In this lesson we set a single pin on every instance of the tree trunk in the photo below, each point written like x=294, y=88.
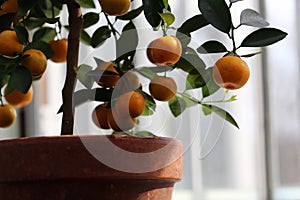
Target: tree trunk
x=75, y=22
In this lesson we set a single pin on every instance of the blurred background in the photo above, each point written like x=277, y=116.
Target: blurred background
x=259, y=161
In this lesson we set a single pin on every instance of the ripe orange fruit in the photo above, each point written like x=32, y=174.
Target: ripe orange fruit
x=8, y=115
x=162, y=88
x=36, y=62
x=110, y=80
x=18, y=99
x=115, y=7
x=164, y=51
x=99, y=116
x=120, y=123
x=128, y=82
x=9, y=43
x=231, y=72
x=10, y=6
x=130, y=104
x=60, y=49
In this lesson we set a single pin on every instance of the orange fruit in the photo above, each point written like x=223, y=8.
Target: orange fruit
x=10, y=6
x=164, y=51
x=231, y=72
x=9, y=43
x=162, y=88
x=99, y=116
x=36, y=62
x=115, y=7
x=130, y=104
x=8, y=115
x=60, y=49
x=110, y=80
x=120, y=123
x=18, y=99
x=128, y=82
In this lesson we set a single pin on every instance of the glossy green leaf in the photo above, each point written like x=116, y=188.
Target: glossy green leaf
x=146, y=72
x=22, y=34
x=25, y=5
x=85, y=38
x=3, y=80
x=101, y=94
x=191, y=63
x=221, y=112
x=90, y=19
x=43, y=46
x=45, y=34
x=233, y=1
x=87, y=81
x=128, y=42
x=166, y=3
x=192, y=24
x=189, y=100
x=211, y=87
x=194, y=81
x=20, y=79
x=252, y=18
x=131, y=14
x=152, y=8
x=143, y=134
x=100, y=35
x=6, y=21
x=86, y=3
x=217, y=13
x=177, y=105
x=168, y=18
x=150, y=104
x=212, y=46
x=263, y=37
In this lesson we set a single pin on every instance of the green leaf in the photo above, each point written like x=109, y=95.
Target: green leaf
x=189, y=100
x=168, y=18
x=144, y=134
x=6, y=21
x=45, y=34
x=22, y=34
x=3, y=80
x=192, y=24
x=194, y=81
x=25, y=5
x=85, y=38
x=100, y=35
x=146, y=72
x=90, y=19
x=233, y=1
x=131, y=14
x=101, y=94
x=20, y=79
x=217, y=13
x=177, y=105
x=152, y=8
x=98, y=61
x=252, y=18
x=212, y=46
x=191, y=63
x=150, y=104
x=250, y=54
x=211, y=87
x=43, y=46
x=184, y=39
x=222, y=113
x=128, y=42
x=86, y=3
x=206, y=110
x=263, y=37
x=87, y=81
x=166, y=4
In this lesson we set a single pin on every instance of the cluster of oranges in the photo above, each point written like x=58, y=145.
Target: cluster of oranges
x=33, y=59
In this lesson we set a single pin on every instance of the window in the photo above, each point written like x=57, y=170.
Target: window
x=260, y=161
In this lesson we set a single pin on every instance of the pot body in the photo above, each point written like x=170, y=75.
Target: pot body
x=89, y=167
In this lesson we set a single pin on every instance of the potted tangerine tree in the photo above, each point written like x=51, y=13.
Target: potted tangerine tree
x=72, y=167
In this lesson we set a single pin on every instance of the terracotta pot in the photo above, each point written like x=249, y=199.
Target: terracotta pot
x=89, y=167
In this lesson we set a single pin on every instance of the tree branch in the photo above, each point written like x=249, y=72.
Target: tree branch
x=75, y=22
